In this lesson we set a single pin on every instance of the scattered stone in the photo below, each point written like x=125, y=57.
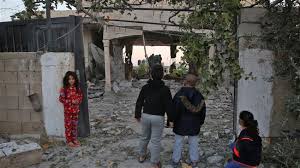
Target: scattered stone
x=214, y=159
x=206, y=134
x=227, y=131
x=115, y=87
x=112, y=164
x=216, y=136
x=114, y=138
x=201, y=152
x=95, y=95
x=209, y=152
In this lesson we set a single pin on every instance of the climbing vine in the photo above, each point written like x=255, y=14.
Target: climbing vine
x=281, y=29
x=281, y=32
x=219, y=16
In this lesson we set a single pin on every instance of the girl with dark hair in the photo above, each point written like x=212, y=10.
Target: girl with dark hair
x=247, y=147
x=71, y=98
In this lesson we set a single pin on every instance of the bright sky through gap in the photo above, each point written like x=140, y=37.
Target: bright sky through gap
x=139, y=54
x=10, y=7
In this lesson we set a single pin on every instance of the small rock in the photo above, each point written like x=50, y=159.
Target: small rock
x=206, y=134
x=227, y=131
x=201, y=152
x=214, y=159
x=116, y=88
x=216, y=136
x=209, y=152
x=112, y=164
x=80, y=154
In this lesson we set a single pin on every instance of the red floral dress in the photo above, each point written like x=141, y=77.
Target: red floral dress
x=71, y=99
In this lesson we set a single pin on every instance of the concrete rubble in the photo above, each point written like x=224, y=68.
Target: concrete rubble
x=114, y=138
x=13, y=155
x=115, y=133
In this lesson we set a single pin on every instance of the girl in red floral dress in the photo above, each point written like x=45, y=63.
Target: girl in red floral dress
x=71, y=98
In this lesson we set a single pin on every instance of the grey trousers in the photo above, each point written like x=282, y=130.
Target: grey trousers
x=152, y=129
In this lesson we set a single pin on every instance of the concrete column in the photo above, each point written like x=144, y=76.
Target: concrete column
x=87, y=40
x=117, y=62
x=107, y=65
x=54, y=67
x=255, y=95
x=211, y=54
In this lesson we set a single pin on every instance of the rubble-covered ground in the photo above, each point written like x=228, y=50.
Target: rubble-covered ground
x=115, y=133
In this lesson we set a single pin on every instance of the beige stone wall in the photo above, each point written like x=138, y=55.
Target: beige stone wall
x=20, y=76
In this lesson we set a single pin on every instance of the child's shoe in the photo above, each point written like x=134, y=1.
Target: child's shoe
x=142, y=159
x=77, y=143
x=175, y=164
x=194, y=165
x=71, y=145
x=156, y=165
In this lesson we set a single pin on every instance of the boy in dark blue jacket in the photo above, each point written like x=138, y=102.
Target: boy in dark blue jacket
x=189, y=107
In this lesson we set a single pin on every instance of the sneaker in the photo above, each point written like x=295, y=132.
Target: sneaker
x=175, y=164
x=156, y=165
x=194, y=165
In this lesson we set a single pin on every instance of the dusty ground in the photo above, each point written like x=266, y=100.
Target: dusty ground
x=114, y=134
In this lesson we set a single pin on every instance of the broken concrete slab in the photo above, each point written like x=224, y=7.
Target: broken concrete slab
x=8, y=145
x=13, y=155
x=16, y=149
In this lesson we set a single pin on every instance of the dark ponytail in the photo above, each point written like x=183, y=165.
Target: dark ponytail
x=249, y=122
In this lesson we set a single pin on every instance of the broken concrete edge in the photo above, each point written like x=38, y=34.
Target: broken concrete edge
x=12, y=148
x=22, y=159
x=23, y=136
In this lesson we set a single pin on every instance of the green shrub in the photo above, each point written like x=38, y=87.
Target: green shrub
x=142, y=70
x=180, y=71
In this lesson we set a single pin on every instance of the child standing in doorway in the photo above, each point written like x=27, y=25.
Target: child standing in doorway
x=71, y=98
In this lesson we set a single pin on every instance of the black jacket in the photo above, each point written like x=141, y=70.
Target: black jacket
x=247, y=148
x=155, y=98
x=189, y=111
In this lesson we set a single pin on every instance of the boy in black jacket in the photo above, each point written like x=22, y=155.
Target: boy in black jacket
x=189, y=107
x=155, y=100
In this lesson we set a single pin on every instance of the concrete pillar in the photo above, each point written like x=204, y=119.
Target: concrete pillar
x=108, y=85
x=87, y=40
x=211, y=54
x=128, y=62
x=255, y=95
x=54, y=67
x=117, y=61
x=173, y=49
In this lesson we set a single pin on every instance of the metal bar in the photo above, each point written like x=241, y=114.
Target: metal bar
x=132, y=21
x=144, y=43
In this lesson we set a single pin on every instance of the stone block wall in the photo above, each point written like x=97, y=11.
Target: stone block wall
x=20, y=76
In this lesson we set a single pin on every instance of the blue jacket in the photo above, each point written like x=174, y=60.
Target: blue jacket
x=189, y=111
